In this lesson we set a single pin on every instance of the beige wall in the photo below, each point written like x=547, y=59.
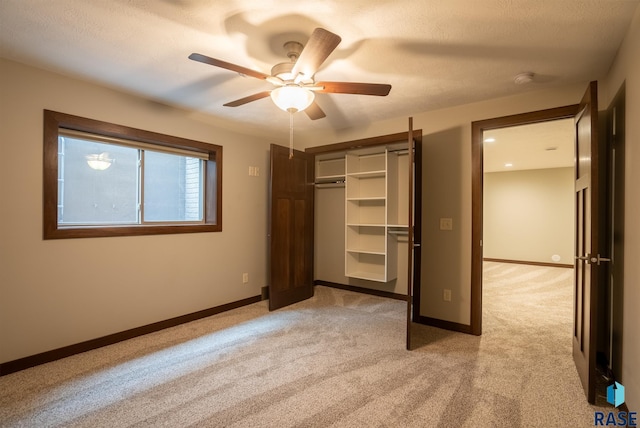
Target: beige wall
x=529, y=215
x=627, y=67
x=60, y=292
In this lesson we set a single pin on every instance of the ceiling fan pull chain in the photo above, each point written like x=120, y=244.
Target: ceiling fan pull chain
x=290, y=134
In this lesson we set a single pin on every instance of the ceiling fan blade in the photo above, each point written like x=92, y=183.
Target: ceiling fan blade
x=248, y=99
x=227, y=65
x=354, y=88
x=318, y=48
x=314, y=111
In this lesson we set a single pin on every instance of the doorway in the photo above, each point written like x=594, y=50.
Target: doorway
x=528, y=232
x=478, y=130
x=598, y=284
x=528, y=190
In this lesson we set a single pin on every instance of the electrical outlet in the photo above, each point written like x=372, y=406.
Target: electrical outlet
x=446, y=295
x=245, y=278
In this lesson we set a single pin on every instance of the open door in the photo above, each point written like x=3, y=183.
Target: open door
x=588, y=249
x=291, y=229
x=410, y=232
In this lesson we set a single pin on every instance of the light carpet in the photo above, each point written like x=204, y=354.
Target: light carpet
x=336, y=360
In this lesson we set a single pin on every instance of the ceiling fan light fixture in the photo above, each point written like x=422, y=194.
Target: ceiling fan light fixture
x=99, y=161
x=292, y=98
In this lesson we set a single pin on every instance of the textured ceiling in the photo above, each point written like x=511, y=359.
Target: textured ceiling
x=434, y=53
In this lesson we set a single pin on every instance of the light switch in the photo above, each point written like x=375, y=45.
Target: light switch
x=446, y=224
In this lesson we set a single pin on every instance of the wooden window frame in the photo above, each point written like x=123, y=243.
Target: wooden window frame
x=53, y=121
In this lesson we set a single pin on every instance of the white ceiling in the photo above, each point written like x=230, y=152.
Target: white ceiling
x=536, y=146
x=434, y=53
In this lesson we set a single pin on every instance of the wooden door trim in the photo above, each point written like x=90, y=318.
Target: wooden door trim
x=477, y=171
x=365, y=142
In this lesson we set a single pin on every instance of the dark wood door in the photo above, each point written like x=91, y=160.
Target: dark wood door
x=291, y=234
x=410, y=233
x=587, y=240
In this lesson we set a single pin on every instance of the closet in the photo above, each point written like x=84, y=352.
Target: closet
x=361, y=215
x=347, y=215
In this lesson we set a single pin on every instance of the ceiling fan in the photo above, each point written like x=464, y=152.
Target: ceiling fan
x=294, y=80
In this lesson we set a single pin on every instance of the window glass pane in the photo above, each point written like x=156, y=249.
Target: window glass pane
x=98, y=183
x=172, y=187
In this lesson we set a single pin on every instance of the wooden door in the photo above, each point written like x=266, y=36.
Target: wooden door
x=410, y=233
x=587, y=240
x=291, y=227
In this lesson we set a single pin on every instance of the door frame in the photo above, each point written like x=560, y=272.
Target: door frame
x=477, y=176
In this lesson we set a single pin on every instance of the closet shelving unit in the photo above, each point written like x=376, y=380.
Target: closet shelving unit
x=371, y=213
x=374, y=209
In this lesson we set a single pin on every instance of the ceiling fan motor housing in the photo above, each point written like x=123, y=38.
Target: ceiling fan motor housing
x=283, y=70
x=293, y=49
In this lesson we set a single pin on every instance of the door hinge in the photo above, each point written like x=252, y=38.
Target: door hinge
x=597, y=260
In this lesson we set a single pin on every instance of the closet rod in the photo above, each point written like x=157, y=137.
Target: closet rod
x=323, y=184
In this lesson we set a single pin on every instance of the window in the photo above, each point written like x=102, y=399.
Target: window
x=102, y=179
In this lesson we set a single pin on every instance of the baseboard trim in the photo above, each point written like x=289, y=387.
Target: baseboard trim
x=363, y=290
x=521, y=262
x=445, y=325
x=67, y=351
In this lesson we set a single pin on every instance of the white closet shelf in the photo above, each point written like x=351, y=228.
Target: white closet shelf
x=366, y=275
x=366, y=225
x=367, y=174
x=397, y=226
x=363, y=251
x=371, y=198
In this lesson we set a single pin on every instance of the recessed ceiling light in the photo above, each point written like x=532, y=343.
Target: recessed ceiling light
x=508, y=165
x=489, y=140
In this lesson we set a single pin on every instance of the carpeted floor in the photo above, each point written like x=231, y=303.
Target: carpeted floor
x=337, y=359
